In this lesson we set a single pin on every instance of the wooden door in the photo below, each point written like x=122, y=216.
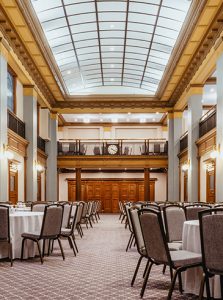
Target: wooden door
x=152, y=191
x=115, y=197
x=133, y=191
x=38, y=186
x=210, y=186
x=124, y=191
x=71, y=190
x=141, y=191
x=107, y=197
x=13, y=187
x=185, y=187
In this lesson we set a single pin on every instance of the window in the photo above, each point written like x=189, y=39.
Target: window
x=11, y=91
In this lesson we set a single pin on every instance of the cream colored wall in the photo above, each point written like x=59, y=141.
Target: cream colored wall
x=113, y=132
x=19, y=100
x=43, y=186
x=160, y=185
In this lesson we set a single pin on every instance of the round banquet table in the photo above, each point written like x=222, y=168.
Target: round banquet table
x=22, y=221
x=192, y=277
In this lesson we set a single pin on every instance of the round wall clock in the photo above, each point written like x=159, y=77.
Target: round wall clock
x=112, y=149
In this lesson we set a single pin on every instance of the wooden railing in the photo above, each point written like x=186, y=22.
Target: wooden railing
x=207, y=122
x=184, y=141
x=115, y=147
x=16, y=125
x=41, y=144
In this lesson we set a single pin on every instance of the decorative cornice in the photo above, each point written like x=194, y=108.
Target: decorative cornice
x=209, y=40
x=15, y=42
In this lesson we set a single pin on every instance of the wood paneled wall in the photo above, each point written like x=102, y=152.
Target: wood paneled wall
x=110, y=191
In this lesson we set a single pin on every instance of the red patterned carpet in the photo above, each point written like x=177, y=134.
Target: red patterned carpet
x=102, y=270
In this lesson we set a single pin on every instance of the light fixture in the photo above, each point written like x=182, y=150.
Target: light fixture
x=112, y=48
x=214, y=154
x=111, y=79
x=9, y=154
x=142, y=120
x=212, y=90
x=114, y=120
x=101, y=120
x=112, y=26
x=129, y=113
x=157, y=113
x=68, y=72
x=112, y=66
x=154, y=119
x=185, y=167
x=39, y=167
x=86, y=120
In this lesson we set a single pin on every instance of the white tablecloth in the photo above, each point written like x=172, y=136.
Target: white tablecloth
x=192, y=277
x=22, y=221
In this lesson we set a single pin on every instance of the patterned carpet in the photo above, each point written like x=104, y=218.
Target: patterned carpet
x=102, y=270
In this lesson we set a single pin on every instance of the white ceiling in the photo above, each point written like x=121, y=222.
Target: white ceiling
x=111, y=46
x=113, y=118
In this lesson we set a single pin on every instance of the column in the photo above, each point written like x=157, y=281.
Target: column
x=219, y=131
x=194, y=115
x=174, y=134
x=51, y=171
x=3, y=123
x=78, y=184
x=30, y=119
x=146, y=185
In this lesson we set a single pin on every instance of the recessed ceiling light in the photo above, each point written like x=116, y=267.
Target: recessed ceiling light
x=112, y=26
x=157, y=113
x=68, y=72
x=101, y=120
x=129, y=113
x=111, y=79
x=75, y=120
x=112, y=66
x=212, y=90
x=154, y=119
x=112, y=48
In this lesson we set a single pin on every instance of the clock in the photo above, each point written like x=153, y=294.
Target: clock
x=112, y=149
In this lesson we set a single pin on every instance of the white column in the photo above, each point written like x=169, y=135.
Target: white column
x=51, y=171
x=194, y=115
x=219, y=130
x=3, y=125
x=30, y=119
x=174, y=134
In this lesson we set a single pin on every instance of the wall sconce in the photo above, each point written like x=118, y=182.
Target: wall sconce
x=215, y=152
x=5, y=153
x=185, y=167
x=39, y=167
x=15, y=166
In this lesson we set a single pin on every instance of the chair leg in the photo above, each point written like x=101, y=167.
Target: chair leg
x=136, y=270
x=221, y=281
x=40, y=254
x=61, y=248
x=201, y=292
x=90, y=222
x=164, y=269
x=146, y=280
x=22, y=250
x=44, y=243
x=48, y=252
x=10, y=253
x=72, y=246
x=180, y=283
x=130, y=239
x=74, y=242
x=146, y=268
x=81, y=230
x=208, y=288
x=131, y=242
x=173, y=284
x=52, y=246
x=98, y=216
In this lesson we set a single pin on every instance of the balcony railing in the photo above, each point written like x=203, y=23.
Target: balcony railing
x=41, y=144
x=115, y=147
x=207, y=122
x=16, y=125
x=184, y=141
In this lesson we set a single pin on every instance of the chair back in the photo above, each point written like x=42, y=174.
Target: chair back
x=192, y=210
x=211, y=231
x=67, y=208
x=4, y=223
x=174, y=218
x=52, y=221
x=152, y=206
x=80, y=210
x=137, y=231
x=154, y=235
x=90, y=206
x=127, y=208
x=38, y=207
x=85, y=209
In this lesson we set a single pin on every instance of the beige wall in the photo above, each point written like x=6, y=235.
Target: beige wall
x=160, y=185
x=21, y=174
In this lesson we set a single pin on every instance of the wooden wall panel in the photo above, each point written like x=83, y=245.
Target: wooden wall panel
x=110, y=191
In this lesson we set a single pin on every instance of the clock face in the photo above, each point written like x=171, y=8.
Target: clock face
x=112, y=149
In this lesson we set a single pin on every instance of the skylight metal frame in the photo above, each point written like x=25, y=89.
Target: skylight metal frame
x=127, y=66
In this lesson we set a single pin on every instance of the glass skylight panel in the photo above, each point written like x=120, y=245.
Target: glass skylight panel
x=133, y=50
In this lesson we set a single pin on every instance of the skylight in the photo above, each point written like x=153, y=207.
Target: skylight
x=111, y=46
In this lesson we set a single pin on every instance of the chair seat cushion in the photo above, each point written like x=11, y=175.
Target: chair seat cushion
x=174, y=246
x=31, y=235
x=184, y=258
x=65, y=231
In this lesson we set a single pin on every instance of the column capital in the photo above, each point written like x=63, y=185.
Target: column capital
x=29, y=90
x=54, y=116
x=175, y=115
x=4, y=48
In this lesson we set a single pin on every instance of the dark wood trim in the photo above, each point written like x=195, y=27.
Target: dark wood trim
x=78, y=184
x=112, y=179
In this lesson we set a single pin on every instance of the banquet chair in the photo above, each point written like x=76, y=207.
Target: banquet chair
x=84, y=219
x=158, y=252
x=38, y=206
x=192, y=210
x=211, y=233
x=131, y=238
x=79, y=215
x=98, y=209
x=67, y=208
x=152, y=206
x=5, y=229
x=50, y=230
x=174, y=218
x=94, y=211
x=69, y=232
x=133, y=212
x=89, y=215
